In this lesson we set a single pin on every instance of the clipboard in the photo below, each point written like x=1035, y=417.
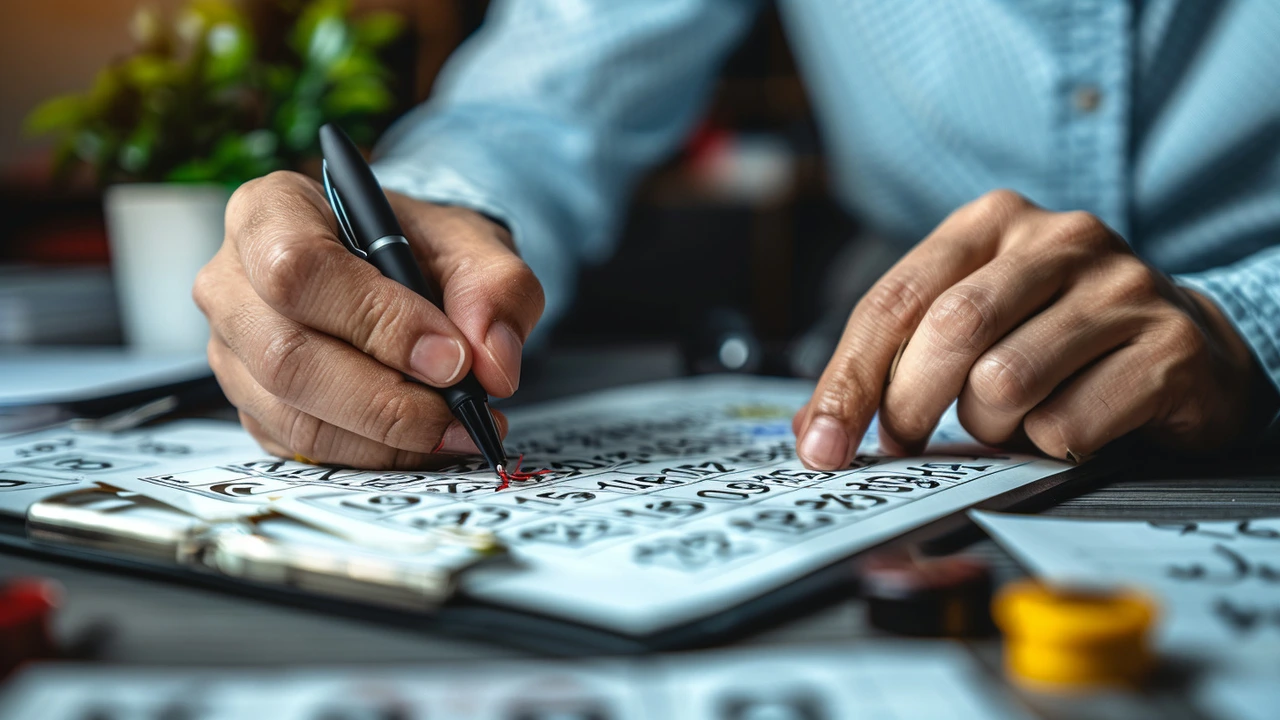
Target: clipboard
x=472, y=615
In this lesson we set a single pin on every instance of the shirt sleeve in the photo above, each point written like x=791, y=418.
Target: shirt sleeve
x=1248, y=292
x=545, y=117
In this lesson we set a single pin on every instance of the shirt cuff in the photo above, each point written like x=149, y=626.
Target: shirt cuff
x=1250, y=298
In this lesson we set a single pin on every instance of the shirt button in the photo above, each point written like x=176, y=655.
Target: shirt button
x=1087, y=98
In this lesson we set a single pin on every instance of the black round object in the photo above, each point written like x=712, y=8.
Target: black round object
x=927, y=597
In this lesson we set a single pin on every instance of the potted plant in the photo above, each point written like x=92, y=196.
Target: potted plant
x=205, y=102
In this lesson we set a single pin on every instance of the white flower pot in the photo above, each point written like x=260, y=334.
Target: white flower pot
x=161, y=235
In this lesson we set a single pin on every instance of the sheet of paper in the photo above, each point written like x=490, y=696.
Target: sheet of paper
x=1236, y=692
x=39, y=464
x=665, y=502
x=71, y=374
x=1218, y=582
x=869, y=680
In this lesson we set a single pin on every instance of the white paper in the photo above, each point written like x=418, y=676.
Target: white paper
x=36, y=465
x=666, y=502
x=72, y=374
x=1235, y=692
x=1217, y=582
x=869, y=680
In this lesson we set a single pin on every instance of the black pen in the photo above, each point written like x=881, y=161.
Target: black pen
x=369, y=230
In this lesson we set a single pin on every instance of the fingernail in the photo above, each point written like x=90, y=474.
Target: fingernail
x=437, y=359
x=825, y=444
x=506, y=346
x=456, y=441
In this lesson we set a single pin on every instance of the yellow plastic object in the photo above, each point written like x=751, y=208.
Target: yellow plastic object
x=1068, y=638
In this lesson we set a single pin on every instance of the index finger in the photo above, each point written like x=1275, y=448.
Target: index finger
x=287, y=239
x=851, y=387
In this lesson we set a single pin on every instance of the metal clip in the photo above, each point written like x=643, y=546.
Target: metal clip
x=335, y=202
x=99, y=519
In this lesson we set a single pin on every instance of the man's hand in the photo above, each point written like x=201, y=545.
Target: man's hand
x=1046, y=327
x=310, y=342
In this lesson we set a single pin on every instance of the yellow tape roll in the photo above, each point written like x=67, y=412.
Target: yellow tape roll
x=1074, y=638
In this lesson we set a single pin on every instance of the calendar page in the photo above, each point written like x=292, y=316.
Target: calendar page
x=663, y=503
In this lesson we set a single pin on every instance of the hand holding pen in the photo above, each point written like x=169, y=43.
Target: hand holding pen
x=313, y=344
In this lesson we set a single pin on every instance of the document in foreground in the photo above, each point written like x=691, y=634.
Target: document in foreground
x=867, y=680
x=665, y=503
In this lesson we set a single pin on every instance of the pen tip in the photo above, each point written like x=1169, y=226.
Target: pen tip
x=498, y=469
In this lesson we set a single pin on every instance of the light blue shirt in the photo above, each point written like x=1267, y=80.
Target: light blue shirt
x=1162, y=117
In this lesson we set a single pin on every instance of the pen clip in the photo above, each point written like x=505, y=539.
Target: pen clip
x=335, y=202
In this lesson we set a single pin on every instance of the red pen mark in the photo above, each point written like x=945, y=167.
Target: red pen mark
x=439, y=447
x=517, y=474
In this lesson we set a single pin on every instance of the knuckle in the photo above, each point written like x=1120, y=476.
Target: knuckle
x=999, y=204
x=963, y=320
x=1080, y=229
x=203, y=291
x=1004, y=199
x=898, y=300
x=282, y=361
x=242, y=203
x=1131, y=282
x=1001, y=381
x=251, y=205
x=286, y=266
x=524, y=289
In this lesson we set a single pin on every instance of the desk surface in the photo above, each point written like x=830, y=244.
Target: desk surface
x=152, y=622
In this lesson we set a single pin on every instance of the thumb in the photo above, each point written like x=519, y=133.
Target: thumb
x=487, y=291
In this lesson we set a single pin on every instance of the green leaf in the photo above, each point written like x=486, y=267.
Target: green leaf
x=330, y=41
x=57, y=115
x=313, y=15
x=217, y=12
x=107, y=86
x=193, y=171
x=378, y=28
x=137, y=151
x=147, y=72
x=230, y=50
x=358, y=95
x=355, y=64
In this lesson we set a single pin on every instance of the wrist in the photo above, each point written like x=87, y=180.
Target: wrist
x=1241, y=373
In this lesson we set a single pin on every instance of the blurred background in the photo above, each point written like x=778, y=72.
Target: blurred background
x=141, y=117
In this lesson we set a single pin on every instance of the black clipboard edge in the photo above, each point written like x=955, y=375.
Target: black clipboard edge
x=469, y=619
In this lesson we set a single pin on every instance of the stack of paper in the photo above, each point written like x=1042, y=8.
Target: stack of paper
x=37, y=384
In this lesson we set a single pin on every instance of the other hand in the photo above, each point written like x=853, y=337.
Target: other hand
x=310, y=342
x=1046, y=327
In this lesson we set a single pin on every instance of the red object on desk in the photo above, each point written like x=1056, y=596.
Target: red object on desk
x=26, y=609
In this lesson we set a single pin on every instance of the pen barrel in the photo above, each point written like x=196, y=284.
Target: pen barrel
x=396, y=261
